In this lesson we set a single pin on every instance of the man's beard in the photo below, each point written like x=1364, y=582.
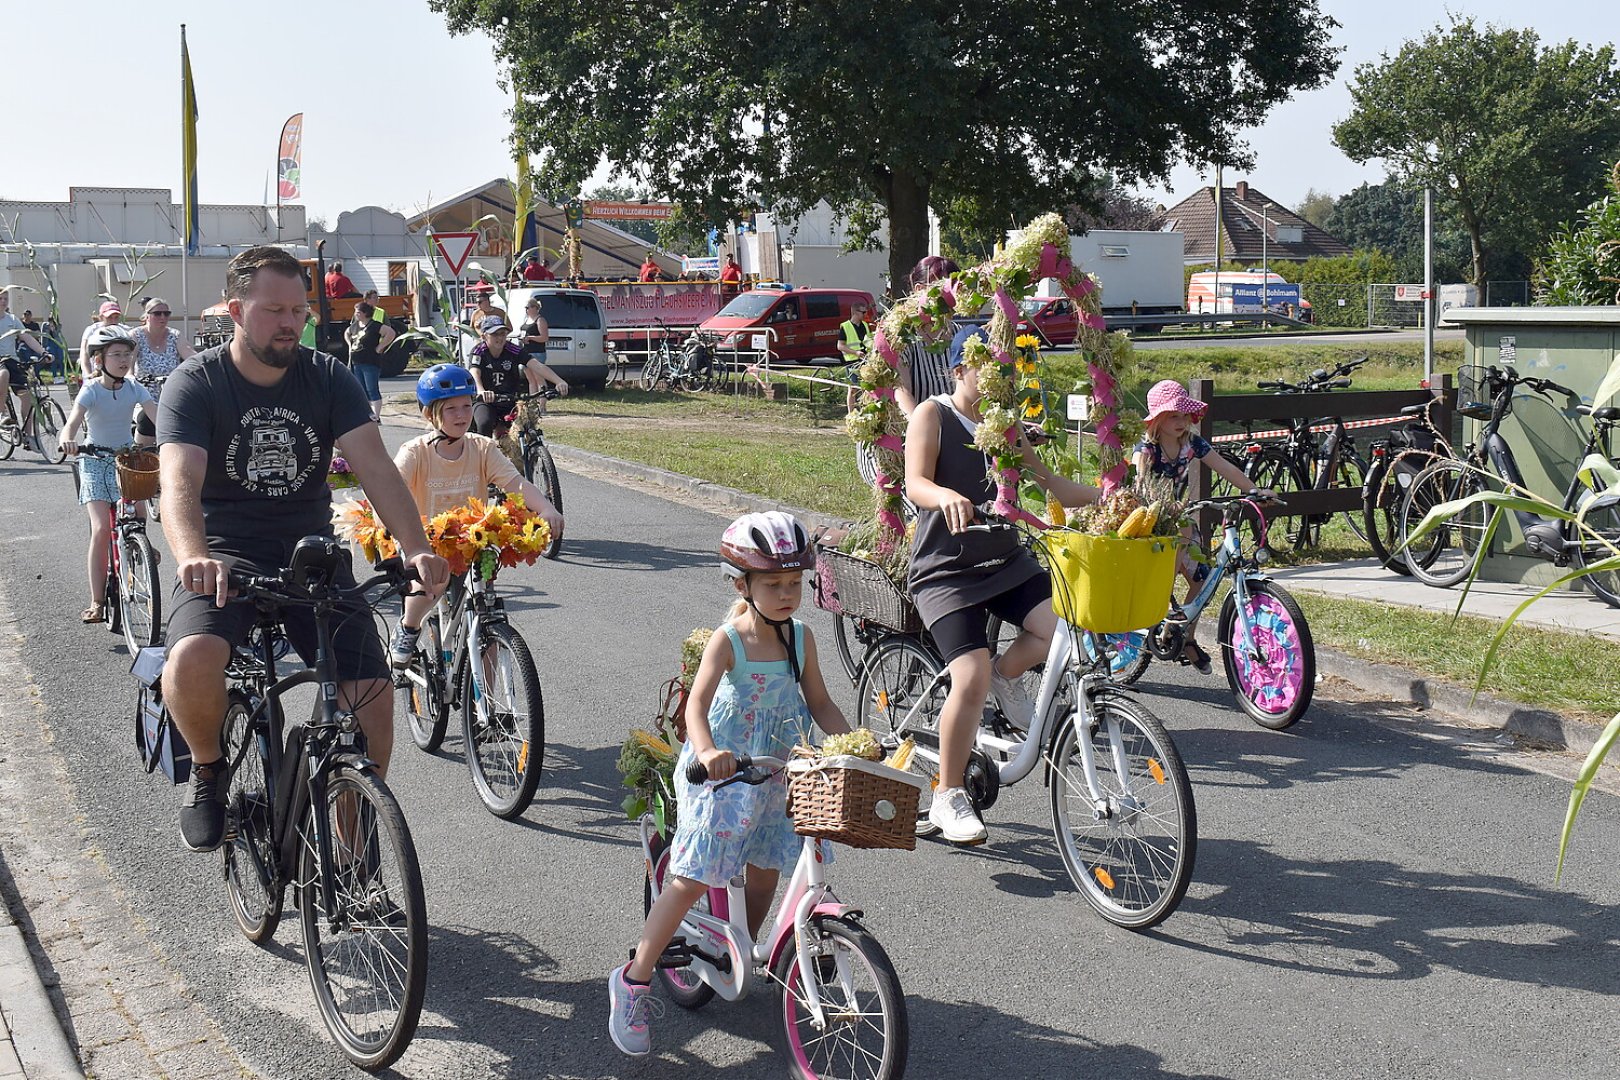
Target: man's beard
x=270, y=356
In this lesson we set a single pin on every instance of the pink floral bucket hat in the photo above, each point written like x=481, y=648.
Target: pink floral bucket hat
x=1168, y=396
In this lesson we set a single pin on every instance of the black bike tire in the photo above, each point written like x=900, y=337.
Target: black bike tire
x=1605, y=584
x=1461, y=483
x=552, y=486
x=370, y=1055
x=10, y=435
x=257, y=921
x=51, y=417
x=843, y=633
x=1352, y=474
x=144, y=564
x=1096, y=883
x=1380, y=521
x=1276, y=721
x=428, y=735
x=688, y=996
x=877, y=709
x=112, y=599
x=532, y=757
x=891, y=1000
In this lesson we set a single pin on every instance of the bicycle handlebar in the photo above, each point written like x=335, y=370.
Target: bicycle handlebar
x=280, y=587
x=697, y=772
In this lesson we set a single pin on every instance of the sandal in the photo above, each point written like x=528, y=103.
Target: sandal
x=1195, y=655
x=93, y=614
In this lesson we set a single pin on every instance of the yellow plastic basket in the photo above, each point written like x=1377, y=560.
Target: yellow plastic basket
x=1108, y=585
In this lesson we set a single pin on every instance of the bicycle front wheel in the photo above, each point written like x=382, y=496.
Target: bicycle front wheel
x=250, y=854
x=1449, y=553
x=1127, y=654
x=49, y=420
x=867, y=1033
x=367, y=950
x=1129, y=845
x=847, y=641
x=1605, y=584
x=504, y=723
x=900, y=694
x=1352, y=473
x=1275, y=679
x=138, y=593
x=552, y=486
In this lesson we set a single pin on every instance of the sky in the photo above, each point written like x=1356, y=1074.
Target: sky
x=400, y=114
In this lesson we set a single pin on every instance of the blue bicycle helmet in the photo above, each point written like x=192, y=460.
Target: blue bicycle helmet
x=443, y=381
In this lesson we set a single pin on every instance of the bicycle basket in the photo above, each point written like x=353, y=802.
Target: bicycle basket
x=853, y=801
x=849, y=585
x=137, y=475
x=1474, y=397
x=1111, y=585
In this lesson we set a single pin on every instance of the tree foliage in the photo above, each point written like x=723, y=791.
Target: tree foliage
x=993, y=109
x=1511, y=135
x=1388, y=218
x=1582, y=265
x=1315, y=207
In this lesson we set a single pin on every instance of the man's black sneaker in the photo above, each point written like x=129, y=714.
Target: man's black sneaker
x=202, y=812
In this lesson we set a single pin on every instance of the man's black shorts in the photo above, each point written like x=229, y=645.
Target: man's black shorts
x=18, y=370
x=356, y=647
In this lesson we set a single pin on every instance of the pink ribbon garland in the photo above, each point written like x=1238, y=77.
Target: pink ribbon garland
x=880, y=341
x=1008, y=308
x=885, y=392
x=890, y=442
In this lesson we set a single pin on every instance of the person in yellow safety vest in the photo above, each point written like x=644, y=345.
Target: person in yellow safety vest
x=852, y=337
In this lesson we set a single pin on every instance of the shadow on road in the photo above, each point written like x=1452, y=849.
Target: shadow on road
x=630, y=555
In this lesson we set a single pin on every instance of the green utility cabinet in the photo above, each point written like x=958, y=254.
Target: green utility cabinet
x=1573, y=346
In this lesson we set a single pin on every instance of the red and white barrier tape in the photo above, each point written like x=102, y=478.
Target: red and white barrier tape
x=1279, y=432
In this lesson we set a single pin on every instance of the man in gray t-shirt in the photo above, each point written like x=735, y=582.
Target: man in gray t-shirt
x=246, y=433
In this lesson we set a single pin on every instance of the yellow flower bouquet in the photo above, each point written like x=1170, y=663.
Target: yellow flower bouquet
x=503, y=530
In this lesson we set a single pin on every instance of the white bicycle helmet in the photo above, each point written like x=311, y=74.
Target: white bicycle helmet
x=103, y=336
x=767, y=543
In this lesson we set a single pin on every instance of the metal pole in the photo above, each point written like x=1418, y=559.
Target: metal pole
x=1217, y=238
x=1430, y=304
x=1265, y=264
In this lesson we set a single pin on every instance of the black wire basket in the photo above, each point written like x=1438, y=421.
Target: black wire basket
x=1474, y=396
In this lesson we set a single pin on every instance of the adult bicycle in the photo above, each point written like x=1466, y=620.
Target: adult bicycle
x=44, y=425
x=469, y=656
x=533, y=459
x=1120, y=801
x=1264, y=638
x=689, y=367
x=134, y=601
x=843, y=1012
x=1395, y=461
x=306, y=810
x=1448, y=554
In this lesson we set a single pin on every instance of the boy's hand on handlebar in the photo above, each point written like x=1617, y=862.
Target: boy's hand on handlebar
x=432, y=573
x=720, y=763
x=957, y=510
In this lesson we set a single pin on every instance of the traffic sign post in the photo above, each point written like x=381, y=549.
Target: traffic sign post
x=454, y=249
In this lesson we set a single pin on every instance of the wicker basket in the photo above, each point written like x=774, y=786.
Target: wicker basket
x=853, y=801
x=847, y=585
x=137, y=475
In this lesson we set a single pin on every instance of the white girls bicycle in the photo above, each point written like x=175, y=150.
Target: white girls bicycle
x=1121, y=804
x=843, y=1012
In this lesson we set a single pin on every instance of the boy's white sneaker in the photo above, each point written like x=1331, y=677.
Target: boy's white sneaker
x=1011, y=698
x=953, y=814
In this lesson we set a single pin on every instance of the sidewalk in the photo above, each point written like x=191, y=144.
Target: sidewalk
x=32, y=1044
x=1364, y=579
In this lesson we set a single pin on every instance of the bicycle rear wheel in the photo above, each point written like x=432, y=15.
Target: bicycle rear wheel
x=367, y=956
x=10, y=437
x=847, y=640
x=507, y=743
x=1448, y=553
x=900, y=695
x=49, y=420
x=1129, y=846
x=1127, y=654
x=138, y=592
x=552, y=486
x=1605, y=584
x=422, y=698
x=867, y=1034
x=1274, y=682
x=684, y=987
x=1352, y=473
x=250, y=855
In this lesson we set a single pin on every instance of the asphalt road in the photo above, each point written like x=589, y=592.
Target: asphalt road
x=1372, y=896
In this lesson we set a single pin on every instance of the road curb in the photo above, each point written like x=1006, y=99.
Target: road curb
x=36, y=1034
x=1541, y=726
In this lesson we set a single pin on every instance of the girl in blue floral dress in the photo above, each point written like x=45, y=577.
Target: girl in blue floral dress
x=756, y=690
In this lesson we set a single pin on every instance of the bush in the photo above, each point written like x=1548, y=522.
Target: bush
x=1582, y=265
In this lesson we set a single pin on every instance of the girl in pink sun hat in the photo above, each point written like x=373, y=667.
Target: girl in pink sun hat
x=1168, y=450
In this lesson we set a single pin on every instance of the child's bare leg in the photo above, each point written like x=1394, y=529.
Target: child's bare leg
x=760, y=889
x=662, y=921
x=416, y=609
x=100, y=540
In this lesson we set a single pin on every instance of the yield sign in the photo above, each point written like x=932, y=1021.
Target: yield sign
x=455, y=247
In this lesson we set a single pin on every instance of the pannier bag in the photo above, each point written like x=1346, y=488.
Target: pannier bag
x=157, y=738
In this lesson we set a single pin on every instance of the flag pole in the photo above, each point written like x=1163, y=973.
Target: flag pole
x=185, y=205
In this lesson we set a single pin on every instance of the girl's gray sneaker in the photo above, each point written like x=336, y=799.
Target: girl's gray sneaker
x=629, y=1008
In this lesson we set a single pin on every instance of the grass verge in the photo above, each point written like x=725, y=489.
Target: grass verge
x=1547, y=668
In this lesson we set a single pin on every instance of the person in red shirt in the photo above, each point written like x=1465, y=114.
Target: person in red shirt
x=338, y=284
x=650, y=270
x=535, y=270
x=730, y=279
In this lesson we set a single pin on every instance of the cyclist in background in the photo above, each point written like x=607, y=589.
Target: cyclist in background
x=103, y=407
x=158, y=351
x=13, y=368
x=447, y=467
x=502, y=373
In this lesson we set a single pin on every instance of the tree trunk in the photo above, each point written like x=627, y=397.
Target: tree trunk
x=907, y=204
x=1476, y=246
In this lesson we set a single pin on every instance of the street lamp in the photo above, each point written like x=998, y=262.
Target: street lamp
x=1265, y=264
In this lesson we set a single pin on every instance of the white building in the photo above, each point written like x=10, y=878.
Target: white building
x=809, y=253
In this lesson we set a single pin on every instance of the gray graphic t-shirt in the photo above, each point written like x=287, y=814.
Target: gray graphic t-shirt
x=268, y=447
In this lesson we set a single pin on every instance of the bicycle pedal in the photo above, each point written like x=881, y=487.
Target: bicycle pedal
x=674, y=956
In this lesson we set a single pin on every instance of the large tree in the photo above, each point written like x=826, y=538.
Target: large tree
x=1388, y=217
x=997, y=109
x=1514, y=136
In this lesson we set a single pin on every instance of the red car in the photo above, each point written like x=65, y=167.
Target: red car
x=1054, y=315
x=800, y=325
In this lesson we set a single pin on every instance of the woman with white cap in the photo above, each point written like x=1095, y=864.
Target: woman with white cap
x=110, y=314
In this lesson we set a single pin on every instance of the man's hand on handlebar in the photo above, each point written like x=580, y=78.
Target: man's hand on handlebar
x=205, y=576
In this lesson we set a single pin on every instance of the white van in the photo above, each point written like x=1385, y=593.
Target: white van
x=577, y=348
